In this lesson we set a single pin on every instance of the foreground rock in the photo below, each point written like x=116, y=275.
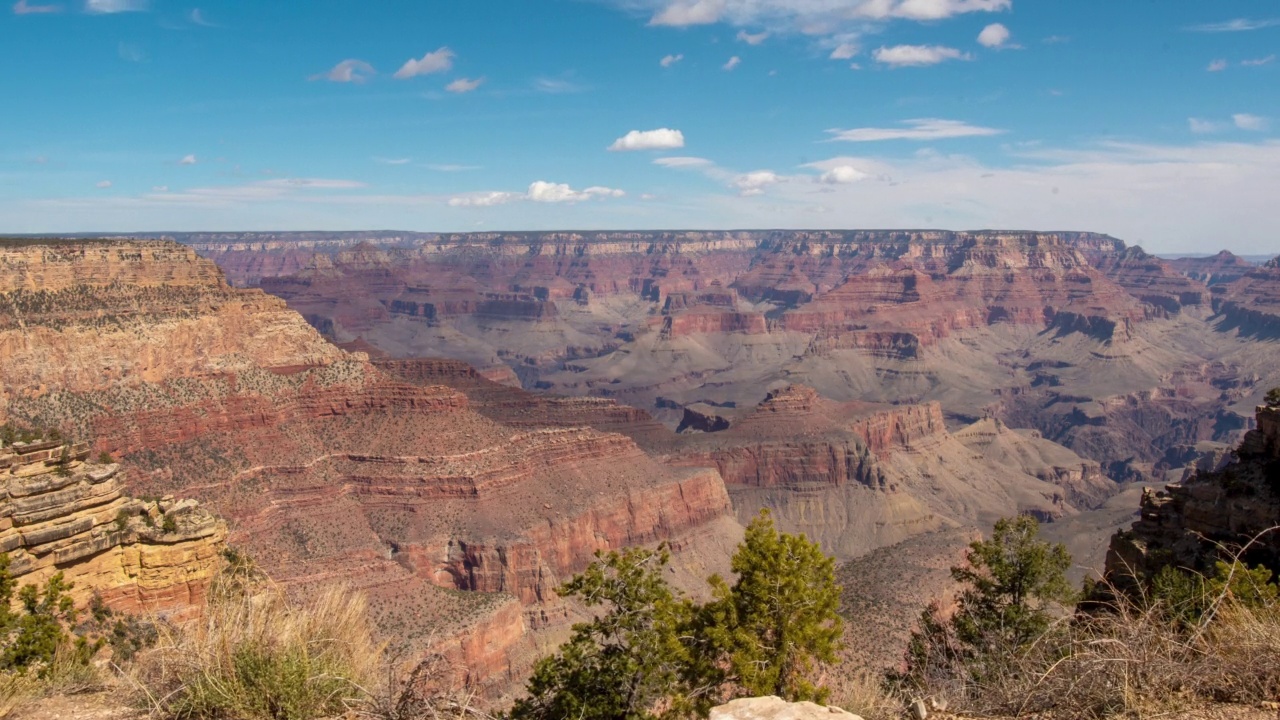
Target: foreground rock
x=59, y=513
x=775, y=708
x=1191, y=524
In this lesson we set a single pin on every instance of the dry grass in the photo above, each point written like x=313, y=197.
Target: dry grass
x=1132, y=660
x=865, y=694
x=262, y=657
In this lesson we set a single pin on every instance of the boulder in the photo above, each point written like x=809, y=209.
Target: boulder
x=775, y=708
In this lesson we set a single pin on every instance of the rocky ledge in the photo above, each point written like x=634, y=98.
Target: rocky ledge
x=61, y=513
x=1191, y=524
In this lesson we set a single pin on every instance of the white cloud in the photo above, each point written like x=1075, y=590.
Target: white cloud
x=922, y=129
x=690, y=12
x=660, y=139
x=23, y=7
x=1245, y=121
x=539, y=191
x=1237, y=25
x=682, y=162
x=844, y=51
x=107, y=7
x=1203, y=127
x=310, y=183
x=464, y=85
x=347, y=71
x=1217, y=66
x=433, y=62
x=670, y=60
x=917, y=55
x=842, y=175
x=488, y=199
x=1258, y=62
x=103, y=184
x=808, y=16
x=754, y=183
x=160, y=189
x=392, y=161
x=994, y=35
x=748, y=38
x=198, y=18
x=187, y=160
x=732, y=63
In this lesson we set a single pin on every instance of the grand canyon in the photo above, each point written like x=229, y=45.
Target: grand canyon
x=455, y=424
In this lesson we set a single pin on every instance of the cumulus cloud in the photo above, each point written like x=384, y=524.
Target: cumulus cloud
x=922, y=129
x=748, y=38
x=488, y=199
x=1236, y=25
x=433, y=62
x=844, y=51
x=682, y=162
x=187, y=160
x=993, y=36
x=1245, y=121
x=464, y=85
x=732, y=63
x=842, y=175
x=810, y=16
x=1203, y=127
x=917, y=55
x=670, y=60
x=754, y=183
x=1258, y=62
x=539, y=191
x=107, y=7
x=690, y=12
x=1217, y=66
x=23, y=7
x=347, y=71
x=660, y=139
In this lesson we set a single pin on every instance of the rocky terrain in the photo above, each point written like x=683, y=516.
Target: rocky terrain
x=1192, y=524
x=1116, y=354
x=326, y=468
x=61, y=513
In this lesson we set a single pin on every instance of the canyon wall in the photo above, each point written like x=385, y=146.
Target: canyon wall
x=61, y=513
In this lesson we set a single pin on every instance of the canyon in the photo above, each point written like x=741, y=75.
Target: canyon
x=455, y=424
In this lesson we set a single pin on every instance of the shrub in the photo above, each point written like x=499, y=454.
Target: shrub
x=261, y=656
x=1273, y=397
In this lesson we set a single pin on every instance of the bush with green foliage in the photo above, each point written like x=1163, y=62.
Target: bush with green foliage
x=779, y=620
x=37, y=631
x=654, y=654
x=1273, y=397
x=1011, y=585
x=1185, y=596
x=630, y=662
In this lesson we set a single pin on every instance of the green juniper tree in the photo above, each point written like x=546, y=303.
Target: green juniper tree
x=1011, y=583
x=1273, y=397
x=778, y=622
x=629, y=663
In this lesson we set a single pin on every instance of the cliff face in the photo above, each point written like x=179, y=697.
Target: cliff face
x=326, y=467
x=1252, y=303
x=859, y=476
x=1184, y=524
x=60, y=513
x=95, y=315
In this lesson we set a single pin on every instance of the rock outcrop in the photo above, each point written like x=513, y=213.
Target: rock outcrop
x=775, y=708
x=61, y=513
x=1195, y=523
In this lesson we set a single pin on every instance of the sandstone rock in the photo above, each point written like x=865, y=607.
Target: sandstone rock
x=775, y=708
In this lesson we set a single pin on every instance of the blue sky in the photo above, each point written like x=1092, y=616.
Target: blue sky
x=1153, y=121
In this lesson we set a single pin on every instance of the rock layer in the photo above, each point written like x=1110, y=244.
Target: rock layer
x=60, y=513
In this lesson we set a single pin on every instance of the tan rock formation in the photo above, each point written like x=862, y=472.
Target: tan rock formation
x=60, y=513
x=775, y=708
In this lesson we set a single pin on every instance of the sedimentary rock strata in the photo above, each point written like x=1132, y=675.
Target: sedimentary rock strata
x=61, y=513
x=1194, y=523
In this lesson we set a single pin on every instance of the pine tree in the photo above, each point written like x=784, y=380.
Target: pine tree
x=627, y=664
x=778, y=621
